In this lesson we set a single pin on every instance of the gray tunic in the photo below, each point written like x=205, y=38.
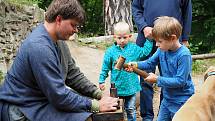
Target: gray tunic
x=37, y=80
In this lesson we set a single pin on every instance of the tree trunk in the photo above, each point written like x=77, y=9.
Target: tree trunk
x=116, y=11
x=203, y=56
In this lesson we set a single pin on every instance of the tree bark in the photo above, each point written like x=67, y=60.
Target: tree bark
x=116, y=11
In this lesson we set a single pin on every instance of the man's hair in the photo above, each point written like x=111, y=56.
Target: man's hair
x=67, y=9
x=165, y=26
x=121, y=27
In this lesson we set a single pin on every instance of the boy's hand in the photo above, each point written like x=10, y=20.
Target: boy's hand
x=133, y=64
x=152, y=78
x=102, y=86
x=130, y=67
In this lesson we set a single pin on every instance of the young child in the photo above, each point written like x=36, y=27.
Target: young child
x=175, y=62
x=126, y=83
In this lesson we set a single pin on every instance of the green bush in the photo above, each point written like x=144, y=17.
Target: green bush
x=203, y=25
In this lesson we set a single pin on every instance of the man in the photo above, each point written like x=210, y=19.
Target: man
x=144, y=13
x=36, y=87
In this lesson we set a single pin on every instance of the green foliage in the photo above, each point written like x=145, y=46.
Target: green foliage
x=1, y=76
x=94, y=24
x=44, y=4
x=202, y=37
x=24, y=2
x=203, y=27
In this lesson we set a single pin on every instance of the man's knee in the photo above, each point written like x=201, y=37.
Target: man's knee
x=89, y=119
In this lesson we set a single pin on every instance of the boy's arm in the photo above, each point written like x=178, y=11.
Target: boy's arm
x=106, y=67
x=186, y=9
x=149, y=63
x=179, y=80
x=146, y=49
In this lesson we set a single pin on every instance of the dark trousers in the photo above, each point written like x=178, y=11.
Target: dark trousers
x=146, y=101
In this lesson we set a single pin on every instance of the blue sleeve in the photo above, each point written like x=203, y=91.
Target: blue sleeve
x=179, y=80
x=49, y=77
x=137, y=11
x=150, y=63
x=145, y=50
x=106, y=67
x=186, y=18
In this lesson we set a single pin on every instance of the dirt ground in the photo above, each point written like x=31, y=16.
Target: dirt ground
x=90, y=61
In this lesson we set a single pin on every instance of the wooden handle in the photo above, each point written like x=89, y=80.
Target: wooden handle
x=142, y=73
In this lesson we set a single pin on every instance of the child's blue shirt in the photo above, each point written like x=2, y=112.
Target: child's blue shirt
x=176, y=68
x=126, y=83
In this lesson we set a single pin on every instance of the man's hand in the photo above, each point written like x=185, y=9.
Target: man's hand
x=186, y=43
x=152, y=78
x=108, y=103
x=148, y=32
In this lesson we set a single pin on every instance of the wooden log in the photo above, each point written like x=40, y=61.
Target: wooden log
x=203, y=56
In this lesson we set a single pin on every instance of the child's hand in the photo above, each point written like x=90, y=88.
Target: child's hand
x=102, y=86
x=152, y=78
x=133, y=64
x=129, y=68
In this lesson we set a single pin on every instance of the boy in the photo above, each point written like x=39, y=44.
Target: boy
x=144, y=13
x=127, y=84
x=175, y=62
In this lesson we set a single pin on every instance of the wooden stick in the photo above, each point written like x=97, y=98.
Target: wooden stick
x=142, y=73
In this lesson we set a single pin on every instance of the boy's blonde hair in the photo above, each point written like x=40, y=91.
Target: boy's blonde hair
x=165, y=26
x=121, y=28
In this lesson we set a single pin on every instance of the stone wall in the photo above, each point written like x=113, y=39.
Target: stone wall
x=15, y=23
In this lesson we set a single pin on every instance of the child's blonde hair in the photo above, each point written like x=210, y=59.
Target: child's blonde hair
x=121, y=28
x=165, y=26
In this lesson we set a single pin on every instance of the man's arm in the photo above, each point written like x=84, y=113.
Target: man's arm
x=49, y=78
x=75, y=79
x=186, y=9
x=137, y=11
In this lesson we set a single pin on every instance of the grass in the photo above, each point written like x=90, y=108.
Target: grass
x=200, y=66
x=97, y=45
